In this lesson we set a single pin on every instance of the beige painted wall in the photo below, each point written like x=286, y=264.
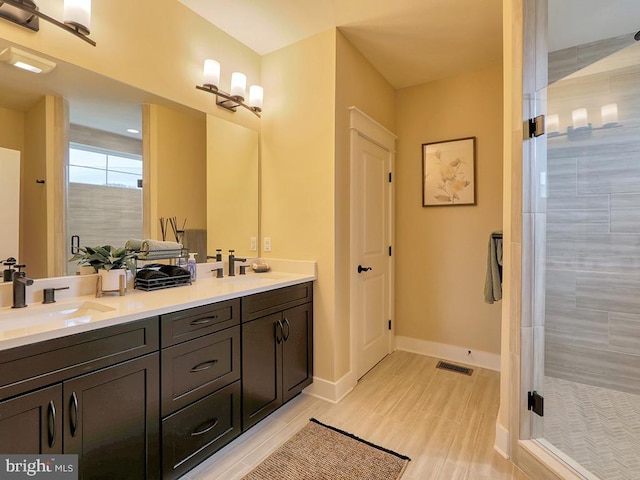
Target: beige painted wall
x=442, y=251
x=297, y=171
x=12, y=129
x=357, y=84
x=33, y=196
x=175, y=151
x=158, y=46
x=232, y=187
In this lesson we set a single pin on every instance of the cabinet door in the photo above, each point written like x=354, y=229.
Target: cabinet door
x=112, y=421
x=261, y=368
x=297, y=350
x=32, y=423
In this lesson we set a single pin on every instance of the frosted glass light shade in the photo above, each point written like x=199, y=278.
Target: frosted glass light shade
x=211, y=75
x=255, y=96
x=609, y=114
x=78, y=13
x=553, y=123
x=238, y=84
x=580, y=118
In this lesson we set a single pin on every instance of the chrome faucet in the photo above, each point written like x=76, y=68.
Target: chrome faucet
x=20, y=283
x=232, y=260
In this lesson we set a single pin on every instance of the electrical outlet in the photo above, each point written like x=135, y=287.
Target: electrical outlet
x=267, y=244
x=254, y=244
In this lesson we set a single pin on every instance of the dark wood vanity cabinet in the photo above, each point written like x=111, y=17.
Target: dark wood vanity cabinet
x=200, y=397
x=94, y=394
x=277, y=350
x=153, y=398
x=32, y=423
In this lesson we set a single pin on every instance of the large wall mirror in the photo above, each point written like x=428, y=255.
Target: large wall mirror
x=117, y=155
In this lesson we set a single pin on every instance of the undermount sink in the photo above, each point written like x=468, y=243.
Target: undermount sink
x=62, y=314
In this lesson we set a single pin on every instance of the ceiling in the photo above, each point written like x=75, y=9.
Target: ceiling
x=409, y=42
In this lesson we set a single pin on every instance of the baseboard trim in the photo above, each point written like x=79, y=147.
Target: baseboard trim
x=331, y=391
x=478, y=358
x=502, y=441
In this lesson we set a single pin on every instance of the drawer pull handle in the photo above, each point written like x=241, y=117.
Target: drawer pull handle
x=52, y=424
x=205, y=427
x=73, y=417
x=203, y=321
x=203, y=366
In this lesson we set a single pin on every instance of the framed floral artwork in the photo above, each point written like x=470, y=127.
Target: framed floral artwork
x=448, y=172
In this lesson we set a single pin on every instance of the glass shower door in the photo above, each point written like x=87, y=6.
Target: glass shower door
x=588, y=350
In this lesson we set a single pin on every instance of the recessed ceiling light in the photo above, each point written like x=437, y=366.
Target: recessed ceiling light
x=26, y=61
x=133, y=130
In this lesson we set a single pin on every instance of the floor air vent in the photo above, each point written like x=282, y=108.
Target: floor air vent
x=454, y=368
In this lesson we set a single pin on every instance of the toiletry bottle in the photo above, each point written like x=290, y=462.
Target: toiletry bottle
x=191, y=266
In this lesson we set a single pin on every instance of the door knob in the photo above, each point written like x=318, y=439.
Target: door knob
x=364, y=269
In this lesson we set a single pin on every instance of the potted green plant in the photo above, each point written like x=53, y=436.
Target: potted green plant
x=109, y=262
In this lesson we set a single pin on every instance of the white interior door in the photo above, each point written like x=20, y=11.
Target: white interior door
x=370, y=253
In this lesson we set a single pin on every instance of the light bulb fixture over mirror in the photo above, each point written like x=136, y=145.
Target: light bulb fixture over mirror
x=231, y=101
x=77, y=16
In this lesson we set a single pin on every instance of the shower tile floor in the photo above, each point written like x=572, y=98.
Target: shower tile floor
x=597, y=427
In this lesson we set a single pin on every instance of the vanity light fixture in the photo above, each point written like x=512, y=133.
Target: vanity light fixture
x=581, y=127
x=77, y=16
x=26, y=61
x=231, y=101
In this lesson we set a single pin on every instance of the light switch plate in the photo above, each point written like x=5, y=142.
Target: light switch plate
x=254, y=244
x=267, y=244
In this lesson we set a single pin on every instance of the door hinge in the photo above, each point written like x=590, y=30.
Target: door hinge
x=535, y=126
x=389, y=324
x=389, y=250
x=390, y=177
x=536, y=403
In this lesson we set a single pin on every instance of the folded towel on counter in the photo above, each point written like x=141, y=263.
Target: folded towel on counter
x=157, y=249
x=150, y=274
x=493, y=280
x=174, y=270
x=133, y=244
x=159, y=254
x=159, y=245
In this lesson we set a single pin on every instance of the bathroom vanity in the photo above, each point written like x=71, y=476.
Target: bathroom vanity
x=153, y=396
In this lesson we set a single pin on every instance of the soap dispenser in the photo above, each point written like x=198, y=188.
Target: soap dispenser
x=191, y=266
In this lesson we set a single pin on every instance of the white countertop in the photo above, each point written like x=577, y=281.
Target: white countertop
x=38, y=322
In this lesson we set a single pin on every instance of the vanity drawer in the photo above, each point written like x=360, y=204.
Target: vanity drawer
x=196, y=368
x=195, y=322
x=266, y=303
x=192, y=434
x=33, y=366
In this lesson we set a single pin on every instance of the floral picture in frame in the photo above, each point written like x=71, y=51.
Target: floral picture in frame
x=448, y=172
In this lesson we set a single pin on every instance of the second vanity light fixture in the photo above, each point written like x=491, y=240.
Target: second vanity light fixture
x=236, y=97
x=580, y=126
x=77, y=16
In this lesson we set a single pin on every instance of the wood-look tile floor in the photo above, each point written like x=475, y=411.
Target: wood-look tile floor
x=444, y=421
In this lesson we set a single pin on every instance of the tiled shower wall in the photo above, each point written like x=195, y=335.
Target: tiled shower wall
x=592, y=326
